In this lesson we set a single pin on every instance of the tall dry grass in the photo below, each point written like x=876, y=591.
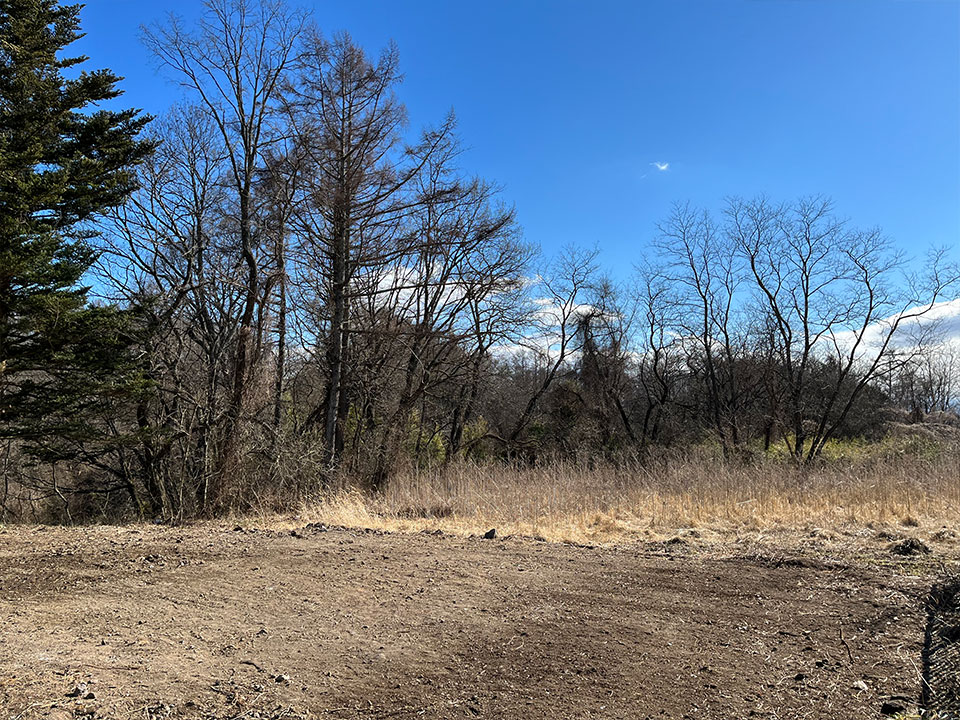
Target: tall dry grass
x=606, y=502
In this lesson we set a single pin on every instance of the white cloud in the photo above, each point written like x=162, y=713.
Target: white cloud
x=661, y=166
x=937, y=327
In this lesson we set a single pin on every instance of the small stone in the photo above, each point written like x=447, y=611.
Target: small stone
x=282, y=678
x=861, y=685
x=490, y=534
x=78, y=690
x=799, y=677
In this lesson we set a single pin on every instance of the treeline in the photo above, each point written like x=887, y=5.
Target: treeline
x=295, y=289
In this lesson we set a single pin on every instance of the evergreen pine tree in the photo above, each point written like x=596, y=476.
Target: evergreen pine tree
x=63, y=161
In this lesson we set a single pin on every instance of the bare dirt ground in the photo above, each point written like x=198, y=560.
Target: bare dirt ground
x=215, y=622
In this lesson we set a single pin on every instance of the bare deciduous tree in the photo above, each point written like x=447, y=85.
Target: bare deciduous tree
x=701, y=264
x=831, y=294
x=562, y=296
x=235, y=63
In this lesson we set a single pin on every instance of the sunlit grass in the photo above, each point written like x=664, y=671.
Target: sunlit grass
x=571, y=502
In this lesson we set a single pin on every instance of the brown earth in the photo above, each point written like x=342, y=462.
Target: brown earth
x=202, y=622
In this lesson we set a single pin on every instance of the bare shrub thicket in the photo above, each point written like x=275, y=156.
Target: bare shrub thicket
x=323, y=297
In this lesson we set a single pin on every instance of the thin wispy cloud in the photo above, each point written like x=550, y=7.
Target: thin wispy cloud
x=661, y=166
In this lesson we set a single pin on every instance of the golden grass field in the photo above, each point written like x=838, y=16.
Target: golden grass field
x=606, y=503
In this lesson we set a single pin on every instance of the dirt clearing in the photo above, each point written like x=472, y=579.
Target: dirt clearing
x=201, y=622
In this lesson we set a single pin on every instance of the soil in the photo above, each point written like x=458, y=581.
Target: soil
x=213, y=622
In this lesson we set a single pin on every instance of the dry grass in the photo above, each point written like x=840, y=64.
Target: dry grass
x=608, y=504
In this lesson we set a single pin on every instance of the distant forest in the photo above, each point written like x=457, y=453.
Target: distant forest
x=280, y=287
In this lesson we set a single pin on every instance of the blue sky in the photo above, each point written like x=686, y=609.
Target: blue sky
x=569, y=104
